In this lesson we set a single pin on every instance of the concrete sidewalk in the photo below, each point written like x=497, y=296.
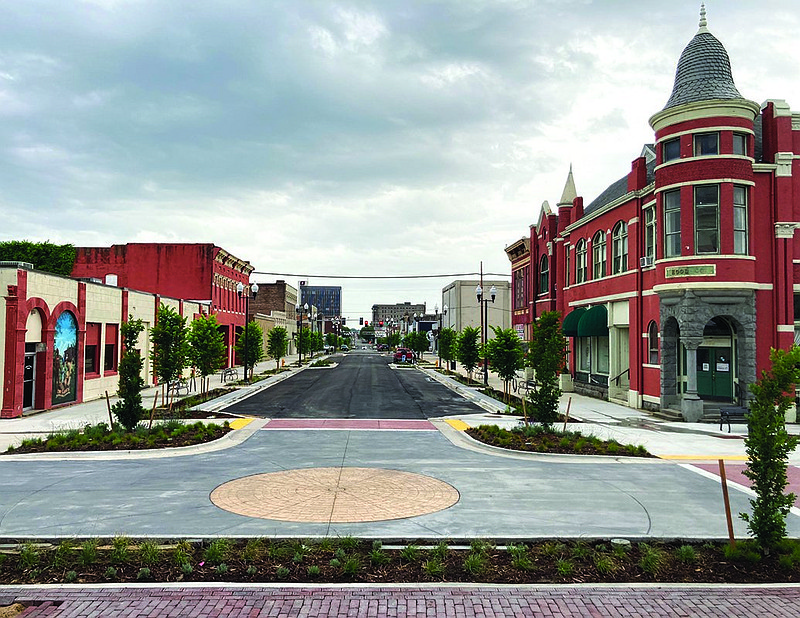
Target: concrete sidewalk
x=41, y=423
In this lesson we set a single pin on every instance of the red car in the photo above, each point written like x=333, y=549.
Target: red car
x=403, y=355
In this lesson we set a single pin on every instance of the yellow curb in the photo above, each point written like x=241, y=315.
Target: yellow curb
x=241, y=422
x=708, y=457
x=457, y=424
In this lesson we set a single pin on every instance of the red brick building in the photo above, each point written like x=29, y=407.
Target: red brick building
x=201, y=272
x=677, y=280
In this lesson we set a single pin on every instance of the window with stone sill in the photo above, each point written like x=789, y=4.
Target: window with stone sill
x=671, y=149
x=652, y=343
x=619, y=248
x=706, y=219
x=599, y=255
x=580, y=261
x=544, y=275
x=740, y=144
x=706, y=144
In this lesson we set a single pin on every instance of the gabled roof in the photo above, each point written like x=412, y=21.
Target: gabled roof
x=618, y=189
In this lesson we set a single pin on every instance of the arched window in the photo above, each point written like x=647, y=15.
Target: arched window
x=620, y=248
x=652, y=343
x=599, y=255
x=580, y=261
x=544, y=275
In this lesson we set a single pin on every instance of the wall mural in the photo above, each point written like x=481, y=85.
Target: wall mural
x=65, y=359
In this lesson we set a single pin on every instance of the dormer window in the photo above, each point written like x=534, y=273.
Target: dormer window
x=740, y=144
x=706, y=144
x=671, y=149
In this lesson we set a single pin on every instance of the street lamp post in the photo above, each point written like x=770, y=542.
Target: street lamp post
x=252, y=291
x=439, y=318
x=300, y=310
x=483, y=305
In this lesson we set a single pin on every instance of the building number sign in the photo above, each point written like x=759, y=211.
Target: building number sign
x=694, y=270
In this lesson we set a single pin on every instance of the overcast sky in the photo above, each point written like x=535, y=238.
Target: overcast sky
x=391, y=137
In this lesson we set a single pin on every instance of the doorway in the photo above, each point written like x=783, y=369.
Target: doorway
x=714, y=373
x=29, y=379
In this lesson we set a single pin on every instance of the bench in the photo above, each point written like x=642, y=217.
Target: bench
x=732, y=413
x=231, y=373
x=178, y=387
x=523, y=386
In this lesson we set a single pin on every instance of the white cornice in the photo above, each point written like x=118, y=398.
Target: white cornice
x=713, y=181
x=718, y=108
x=722, y=127
x=711, y=285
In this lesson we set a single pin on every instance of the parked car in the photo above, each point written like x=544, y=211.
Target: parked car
x=344, y=348
x=382, y=347
x=403, y=355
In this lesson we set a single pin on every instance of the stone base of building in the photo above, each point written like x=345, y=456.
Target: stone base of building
x=591, y=390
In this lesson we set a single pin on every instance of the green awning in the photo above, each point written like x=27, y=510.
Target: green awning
x=570, y=324
x=594, y=323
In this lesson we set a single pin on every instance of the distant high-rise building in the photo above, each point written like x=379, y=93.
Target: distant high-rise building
x=326, y=298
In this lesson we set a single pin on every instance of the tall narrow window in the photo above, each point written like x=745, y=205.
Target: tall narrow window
x=740, y=220
x=599, y=255
x=580, y=261
x=91, y=349
x=110, y=348
x=519, y=289
x=671, y=149
x=706, y=144
x=672, y=223
x=740, y=144
x=650, y=233
x=652, y=343
x=566, y=266
x=620, y=247
x=706, y=219
x=544, y=275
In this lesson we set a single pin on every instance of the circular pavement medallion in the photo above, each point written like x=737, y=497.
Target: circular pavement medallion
x=341, y=495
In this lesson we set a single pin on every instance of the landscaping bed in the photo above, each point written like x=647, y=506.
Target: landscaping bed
x=169, y=434
x=350, y=560
x=539, y=439
x=182, y=407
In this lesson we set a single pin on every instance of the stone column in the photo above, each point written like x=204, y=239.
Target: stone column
x=691, y=404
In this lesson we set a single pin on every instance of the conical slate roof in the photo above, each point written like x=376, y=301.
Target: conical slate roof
x=704, y=71
x=569, y=193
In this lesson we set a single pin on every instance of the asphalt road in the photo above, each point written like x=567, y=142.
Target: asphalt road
x=364, y=385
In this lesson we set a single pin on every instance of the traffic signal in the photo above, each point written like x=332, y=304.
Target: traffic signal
x=361, y=321
x=366, y=322
x=381, y=323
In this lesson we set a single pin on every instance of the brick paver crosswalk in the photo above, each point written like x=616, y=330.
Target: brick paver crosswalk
x=414, y=601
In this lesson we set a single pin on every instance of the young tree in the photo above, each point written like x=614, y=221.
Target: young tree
x=469, y=353
x=252, y=352
x=128, y=409
x=448, y=340
x=206, y=347
x=304, y=341
x=317, y=341
x=416, y=341
x=768, y=445
x=277, y=344
x=393, y=340
x=332, y=339
x=546, y=355
x=505, y=355
x=170, y=347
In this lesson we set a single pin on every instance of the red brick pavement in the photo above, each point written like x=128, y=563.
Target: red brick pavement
x=735, y=473
x=416, y=601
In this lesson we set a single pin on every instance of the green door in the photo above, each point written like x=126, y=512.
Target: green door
x=714, y=373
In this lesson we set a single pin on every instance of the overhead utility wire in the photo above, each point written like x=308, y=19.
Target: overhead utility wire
x=450, y=276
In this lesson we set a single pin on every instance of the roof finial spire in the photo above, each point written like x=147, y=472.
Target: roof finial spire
x=703, y=21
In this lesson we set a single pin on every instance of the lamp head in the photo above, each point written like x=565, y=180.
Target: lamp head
x=240, y=289
x=479, y=293
x=254, y=289
x=493, y=293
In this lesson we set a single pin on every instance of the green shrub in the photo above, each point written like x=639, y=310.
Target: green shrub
x=565, y=568
x=409, y=553
x=251, y=571
x=221, y=569
x=348, y=543
x=433, y=568
x=281, y=573
x=217, y=551
x=605, y=565
x=474, y=564
x=335, y=563
x=88, y=553
x=119, y=549
x=313, y=571
x=686, y=554
x=186, y=568
x=651, y=560
x=149, y=553
x=581, y=551
x=440, y=551
x=111, y=573
x=143, y=574
x=28, y=556
x=553, y=549
x=70, y=577
x=63, y=554
x=351, y=566
x=378, y=557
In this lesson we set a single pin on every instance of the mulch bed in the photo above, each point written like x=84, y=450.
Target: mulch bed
x=569, y=562
x=550, y=443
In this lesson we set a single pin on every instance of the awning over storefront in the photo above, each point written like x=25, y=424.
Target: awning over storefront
x=594, y=322
x=570, y=324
